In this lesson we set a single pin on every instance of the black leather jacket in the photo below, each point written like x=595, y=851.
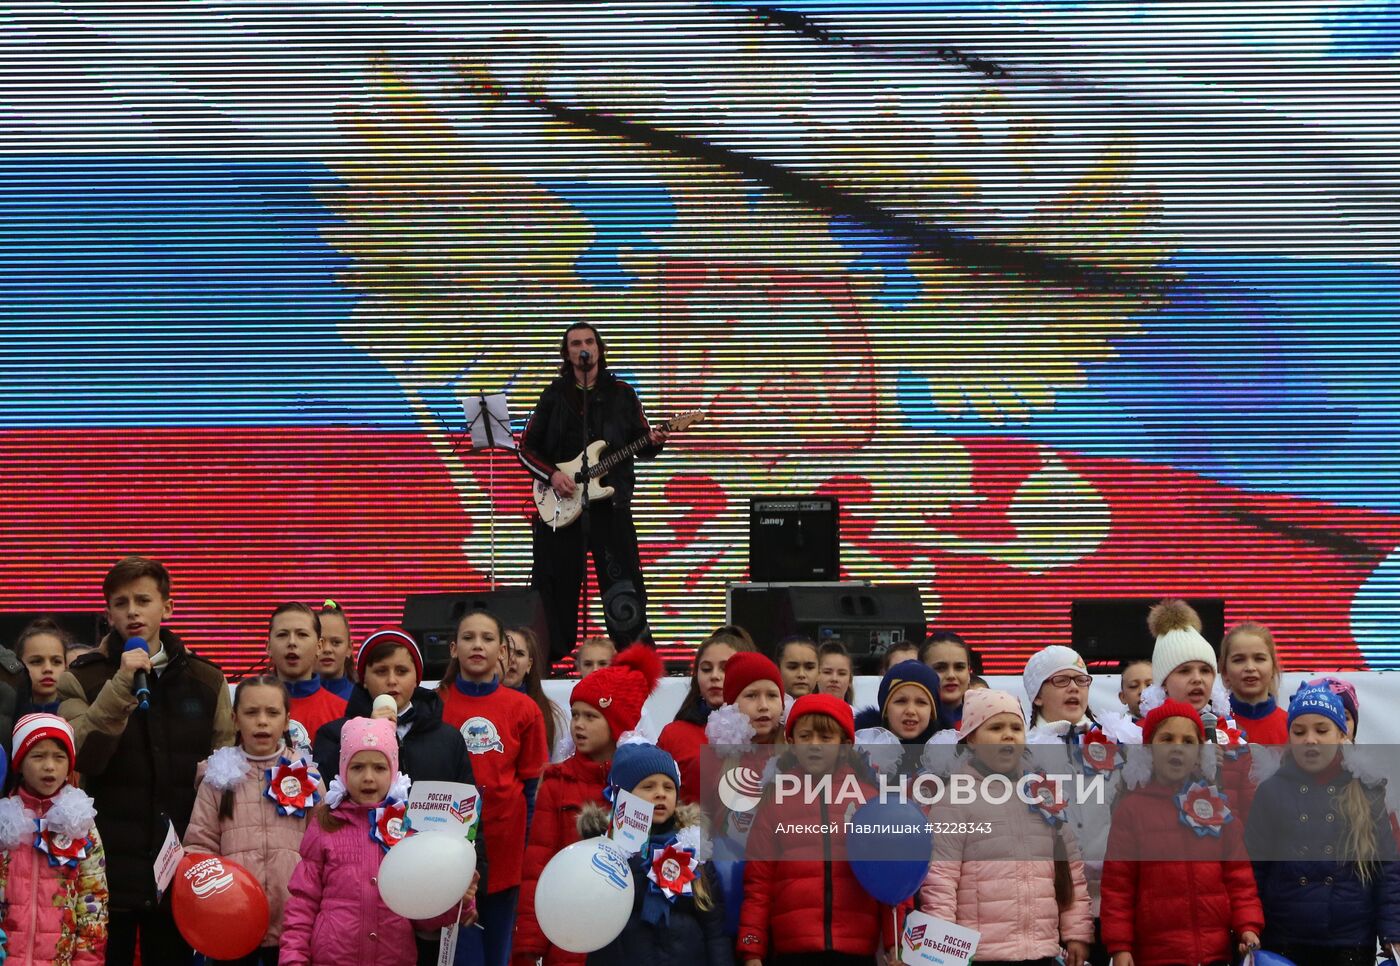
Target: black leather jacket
x=555, y=434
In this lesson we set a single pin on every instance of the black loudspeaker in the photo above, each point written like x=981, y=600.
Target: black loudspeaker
x=1109, y=632
x=794, y=539
x=432, y=620
x=867, y=620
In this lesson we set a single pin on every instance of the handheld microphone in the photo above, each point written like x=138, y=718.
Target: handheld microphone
x=139, y=685
x=1208, y=722
x=387, y=701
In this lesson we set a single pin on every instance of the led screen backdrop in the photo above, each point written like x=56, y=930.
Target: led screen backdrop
x=1061, y=299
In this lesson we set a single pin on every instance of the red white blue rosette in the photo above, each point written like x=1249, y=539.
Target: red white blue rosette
x=388, y=824
x=673, y=871
x=1230, y=739
x=1097, y=753
x=292, y=786
x=1203, y=808
x=63, y=851
x=1047, y=802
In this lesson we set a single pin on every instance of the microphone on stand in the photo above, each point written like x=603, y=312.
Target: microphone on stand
x=585, y=357
x=139, y=685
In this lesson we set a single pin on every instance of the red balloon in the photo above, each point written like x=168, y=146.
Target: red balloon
x=220, y=908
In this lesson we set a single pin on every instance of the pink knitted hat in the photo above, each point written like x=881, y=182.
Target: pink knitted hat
x=983, y=703
x=368, y=734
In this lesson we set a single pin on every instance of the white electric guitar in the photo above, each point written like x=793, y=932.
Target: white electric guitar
x=558, y=511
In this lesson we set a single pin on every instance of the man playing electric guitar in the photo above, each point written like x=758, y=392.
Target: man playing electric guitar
x=556, y=433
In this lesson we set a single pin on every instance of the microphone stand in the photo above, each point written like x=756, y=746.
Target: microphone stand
x=585, y=519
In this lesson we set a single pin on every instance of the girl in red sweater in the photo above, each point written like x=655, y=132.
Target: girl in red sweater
x=606, y=705
x=505, y=735
x=1249, y=663
x=293, y=642
x=684, y=737
x=802, y=903
x=1177, y=883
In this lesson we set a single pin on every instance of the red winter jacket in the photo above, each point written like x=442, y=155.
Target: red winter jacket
x=1235, y=763
x=1190, y=909
x=796, y=899
x=564, y=789
x=685, y=741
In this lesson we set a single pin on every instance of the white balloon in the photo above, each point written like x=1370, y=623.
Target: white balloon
x=584, y=896
x=426, y=874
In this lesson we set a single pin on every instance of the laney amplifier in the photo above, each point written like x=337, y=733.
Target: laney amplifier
x=794, y=539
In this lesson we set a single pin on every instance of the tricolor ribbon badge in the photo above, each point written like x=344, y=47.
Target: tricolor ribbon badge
x=673, y=871
x=1047, y=801
x=388, y=824
x=1204, y=809
x=63, y=852
x=1229, y=737
x=1097, y=752
x=292, y=786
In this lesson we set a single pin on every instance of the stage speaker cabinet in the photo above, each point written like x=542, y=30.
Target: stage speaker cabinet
x=794, y=539
x=867, y=619
x=432, y=619
x=1108, y=631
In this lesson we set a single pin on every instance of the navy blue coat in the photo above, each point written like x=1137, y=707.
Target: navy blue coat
x=1295, y=833
x=691, y=938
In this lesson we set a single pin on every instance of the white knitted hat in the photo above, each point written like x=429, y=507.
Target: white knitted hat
x=1177, y=628
x=1046, y=663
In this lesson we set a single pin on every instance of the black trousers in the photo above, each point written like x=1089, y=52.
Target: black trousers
x=558, y=572
x=161, y=941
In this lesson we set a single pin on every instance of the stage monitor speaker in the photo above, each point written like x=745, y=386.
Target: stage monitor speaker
x=432, y=619
x=794, y=539
x=867, y=619
x=1107, y=632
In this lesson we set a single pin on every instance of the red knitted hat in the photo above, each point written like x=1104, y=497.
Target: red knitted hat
x=817, y=703
x=1170, y=709
x=619, y=690
x=744, y=669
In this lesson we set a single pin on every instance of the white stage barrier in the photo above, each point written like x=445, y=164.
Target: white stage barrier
x=1378, y=693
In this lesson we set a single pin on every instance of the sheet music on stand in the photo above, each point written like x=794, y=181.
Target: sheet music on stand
x=488, y=418
x=488, y=421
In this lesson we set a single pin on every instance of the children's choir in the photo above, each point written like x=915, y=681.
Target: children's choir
x=1244, y=821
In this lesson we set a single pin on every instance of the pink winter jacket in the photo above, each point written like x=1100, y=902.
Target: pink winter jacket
x=334, y=916
x=997, y=875
x=257, y=837
x=53, y=915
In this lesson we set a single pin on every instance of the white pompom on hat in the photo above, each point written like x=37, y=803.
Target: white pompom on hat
x=1177, y=628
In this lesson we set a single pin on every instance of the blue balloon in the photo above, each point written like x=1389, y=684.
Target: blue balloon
x=1263, y=957
x=890, y=866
